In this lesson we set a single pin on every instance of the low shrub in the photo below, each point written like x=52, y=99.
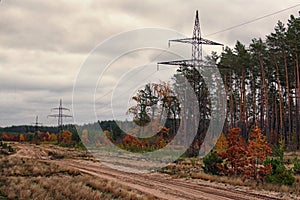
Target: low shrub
x=212, y=163
x=279, y=174
x=296, y=167
x=10, y=149
x=7, y=148
x=278, y=152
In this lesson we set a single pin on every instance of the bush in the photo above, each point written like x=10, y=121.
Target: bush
x=279, y=174
x=296, y=167
x=212, y=163
x=10, y=149
x=278, y=152
x=4, y=145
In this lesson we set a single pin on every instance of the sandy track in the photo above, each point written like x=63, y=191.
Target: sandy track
x=160, y=185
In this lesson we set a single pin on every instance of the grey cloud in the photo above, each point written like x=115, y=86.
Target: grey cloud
x=49, y=25
x=44, y=43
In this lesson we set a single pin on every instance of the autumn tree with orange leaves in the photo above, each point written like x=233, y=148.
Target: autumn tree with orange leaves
x=66, y=137
x=246, y=160
x=235, y=155
x=257, y=151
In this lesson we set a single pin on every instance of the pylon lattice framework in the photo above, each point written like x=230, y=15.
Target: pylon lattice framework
x=36, y=124
x=197, y=41
x=195, y=62
x=60, y=115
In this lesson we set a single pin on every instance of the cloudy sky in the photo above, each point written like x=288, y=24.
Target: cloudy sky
x=45, y=47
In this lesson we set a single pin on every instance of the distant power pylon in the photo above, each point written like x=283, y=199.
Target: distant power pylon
x=36, y=129
x=196, y=41
x=60, y=115
x=36, y=124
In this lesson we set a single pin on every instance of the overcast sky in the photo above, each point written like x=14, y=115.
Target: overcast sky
x=45, y=44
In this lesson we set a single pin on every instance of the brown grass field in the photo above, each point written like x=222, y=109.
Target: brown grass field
x=29, y=176
x=51, y=172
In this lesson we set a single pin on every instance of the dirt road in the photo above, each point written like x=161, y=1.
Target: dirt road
x=160, y=185
x=163, y=186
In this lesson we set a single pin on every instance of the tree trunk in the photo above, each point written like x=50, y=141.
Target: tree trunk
x=288, y=135
x=280, y=101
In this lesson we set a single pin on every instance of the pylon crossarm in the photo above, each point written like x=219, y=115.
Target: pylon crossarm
x=53, y=115
x=189, y=62
x=209, y=42
x=63, y=115
x=184, y=40
x=196, y=41
x=60, y=109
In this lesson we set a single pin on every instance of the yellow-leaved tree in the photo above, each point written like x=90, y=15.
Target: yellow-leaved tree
x=22, y=138
x=85, y=136
x=222, y=144
x=53, y=137
x=66, y=137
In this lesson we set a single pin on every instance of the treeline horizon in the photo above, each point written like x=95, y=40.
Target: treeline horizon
x=52, y=129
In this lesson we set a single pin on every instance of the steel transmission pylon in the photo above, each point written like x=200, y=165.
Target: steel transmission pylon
x=60, y=115
x=36, y=129
x=196, y=62
x=196, y=41
x=36, y=124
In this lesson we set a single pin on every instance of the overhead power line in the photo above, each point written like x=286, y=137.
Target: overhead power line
x=223, y=30
x=253, y=20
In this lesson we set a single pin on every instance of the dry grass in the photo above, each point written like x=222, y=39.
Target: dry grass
x=63, y=187
x=24, y=178
x=290, y=156
x=118, y=189
x=184, y=167
x=221, y=179
x=193, y=170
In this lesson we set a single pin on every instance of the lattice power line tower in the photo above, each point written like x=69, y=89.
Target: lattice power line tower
x=36, y=129
x=36, y=124
x=191, y=66
x=196, y=41
x=60, y=115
